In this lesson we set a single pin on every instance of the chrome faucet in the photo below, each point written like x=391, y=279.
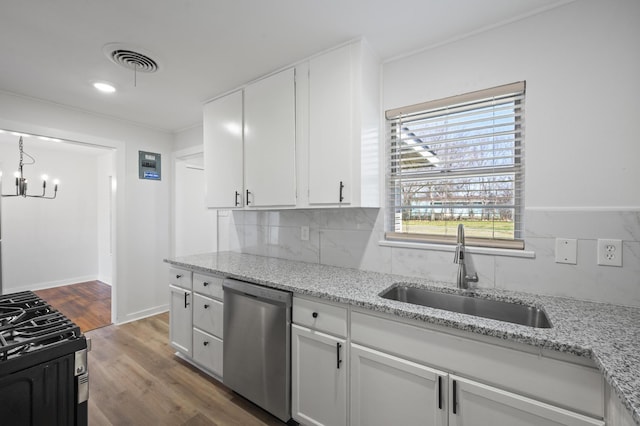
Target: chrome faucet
x=463, y=279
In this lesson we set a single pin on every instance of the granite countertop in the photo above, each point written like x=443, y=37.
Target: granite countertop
x=607, y=334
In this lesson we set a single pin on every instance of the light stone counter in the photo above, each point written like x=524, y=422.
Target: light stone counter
x=607, y=334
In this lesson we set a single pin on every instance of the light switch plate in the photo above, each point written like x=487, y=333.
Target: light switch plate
x=566, y=250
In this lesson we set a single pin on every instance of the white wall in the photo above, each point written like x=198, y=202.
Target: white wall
x=49, y=242
x=142, y=207
x=581, y=63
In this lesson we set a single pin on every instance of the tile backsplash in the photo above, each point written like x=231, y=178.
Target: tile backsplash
x=349, y=237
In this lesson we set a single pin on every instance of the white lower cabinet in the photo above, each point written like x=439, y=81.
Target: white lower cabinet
x=196, y=314
x=474, y=403
x=319, y=377
x=387, y=390
x=392, y=384
x=180, y=328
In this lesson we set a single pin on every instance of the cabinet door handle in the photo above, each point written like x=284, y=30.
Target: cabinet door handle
x=237, y=202
x=341, y=188
x=247, y=201
x=205, y=283
x=315, y=315
x=339, y=361
x=439, y=392
x=455, y=397
x=206, y=306
x=186, y=300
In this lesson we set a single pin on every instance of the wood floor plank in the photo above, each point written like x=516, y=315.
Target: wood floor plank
x=136, y=379
x=87, y=304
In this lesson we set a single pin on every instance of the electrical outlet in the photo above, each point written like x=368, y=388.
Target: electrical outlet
x=610, y=252
x=304, y=233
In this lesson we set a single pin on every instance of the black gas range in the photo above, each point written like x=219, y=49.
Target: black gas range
x=43, y=364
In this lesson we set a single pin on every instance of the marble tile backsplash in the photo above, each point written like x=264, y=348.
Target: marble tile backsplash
x=349, y=237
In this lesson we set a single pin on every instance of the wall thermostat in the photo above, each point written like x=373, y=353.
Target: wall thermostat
x=149, y=165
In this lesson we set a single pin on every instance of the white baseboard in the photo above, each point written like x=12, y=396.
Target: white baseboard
x=48, y=284
x=134, y=316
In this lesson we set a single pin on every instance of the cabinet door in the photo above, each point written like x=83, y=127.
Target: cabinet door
x=473, y=403
x=331, y=127
x=222, y=123
x=319, y=378
x=269, y=141
x=389, y=390
x=180, y=327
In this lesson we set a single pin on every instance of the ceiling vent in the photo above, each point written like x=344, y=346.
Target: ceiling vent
x=131, y=58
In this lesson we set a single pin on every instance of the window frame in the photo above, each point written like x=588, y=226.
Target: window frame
x=517, y=91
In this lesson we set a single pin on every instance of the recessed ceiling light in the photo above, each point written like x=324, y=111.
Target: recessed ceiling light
x=104, y=87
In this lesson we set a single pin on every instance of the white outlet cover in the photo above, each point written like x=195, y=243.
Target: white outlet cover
x=567, y=251
x=610, y=252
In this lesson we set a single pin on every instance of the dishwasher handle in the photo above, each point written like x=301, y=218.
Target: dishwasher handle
x=254, y=290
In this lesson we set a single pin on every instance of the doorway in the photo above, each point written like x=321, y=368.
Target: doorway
x=49, y=243
x=195, y=226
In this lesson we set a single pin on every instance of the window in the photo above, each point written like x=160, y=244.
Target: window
x=458, y=160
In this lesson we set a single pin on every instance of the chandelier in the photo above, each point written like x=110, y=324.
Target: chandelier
x=21, y=181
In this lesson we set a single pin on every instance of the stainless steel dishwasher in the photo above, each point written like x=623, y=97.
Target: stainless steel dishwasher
x=257, y=345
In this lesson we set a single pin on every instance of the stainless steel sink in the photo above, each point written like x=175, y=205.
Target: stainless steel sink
x=470, y=305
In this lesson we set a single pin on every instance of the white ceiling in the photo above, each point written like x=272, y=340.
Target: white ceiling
x=53, y=50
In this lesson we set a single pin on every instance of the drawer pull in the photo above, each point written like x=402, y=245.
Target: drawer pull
x=205, y=283
x=206, y=306
x=315, y=315
x=205, y=343
x=178, y=276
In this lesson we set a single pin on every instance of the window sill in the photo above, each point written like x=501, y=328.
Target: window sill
x=451, y=248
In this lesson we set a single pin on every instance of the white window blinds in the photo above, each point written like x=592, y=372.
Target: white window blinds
x=458, y=160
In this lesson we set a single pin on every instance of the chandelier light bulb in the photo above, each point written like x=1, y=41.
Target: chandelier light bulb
x=21, y=181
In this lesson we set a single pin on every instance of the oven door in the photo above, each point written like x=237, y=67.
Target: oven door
x=40, y=395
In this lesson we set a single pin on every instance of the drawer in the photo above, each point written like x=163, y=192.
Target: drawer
x=180, y=277
x=320, y=316
x=208, y=284
x=207, y=314
x=207, y=351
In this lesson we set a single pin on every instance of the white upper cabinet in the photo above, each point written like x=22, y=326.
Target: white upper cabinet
x=306, y=140
x=222, y=124
x=343, y=127
x=270, y=141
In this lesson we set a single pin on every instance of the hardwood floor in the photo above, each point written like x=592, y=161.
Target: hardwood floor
x=87, y=304
x=135, y=379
